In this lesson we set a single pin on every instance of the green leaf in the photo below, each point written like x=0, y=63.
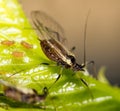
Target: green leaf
x=68, y=93
x=101, y=76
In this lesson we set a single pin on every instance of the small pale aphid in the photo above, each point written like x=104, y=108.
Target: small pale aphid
x=26, y=45
x=7, y=42
x=17, y=54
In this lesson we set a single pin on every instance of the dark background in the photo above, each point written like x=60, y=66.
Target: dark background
x=103, y=31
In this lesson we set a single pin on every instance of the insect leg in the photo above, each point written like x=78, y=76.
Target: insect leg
x=72, y=49
x=94, y=67
x=45, y=91
x=25, y=69
x=86, y=84
x=59, y=75
x=45, y=63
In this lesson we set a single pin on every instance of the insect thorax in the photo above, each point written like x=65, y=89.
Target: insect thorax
x=56, y=53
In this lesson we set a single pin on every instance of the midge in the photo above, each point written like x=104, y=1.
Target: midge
x=50, y=32
x=24, y=95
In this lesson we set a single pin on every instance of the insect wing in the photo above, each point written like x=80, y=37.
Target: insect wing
x=44, y=22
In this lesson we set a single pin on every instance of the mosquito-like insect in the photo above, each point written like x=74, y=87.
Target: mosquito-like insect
x=23, y=95
x=52, y=47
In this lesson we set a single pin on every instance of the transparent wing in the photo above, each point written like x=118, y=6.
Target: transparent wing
x=42, y=23
x=48, y=25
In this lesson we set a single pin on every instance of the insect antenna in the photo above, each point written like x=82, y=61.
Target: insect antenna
x=84, y=55
x=85, y=37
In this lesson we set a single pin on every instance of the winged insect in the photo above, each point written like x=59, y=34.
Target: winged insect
x=52, y=47
x=24, y=95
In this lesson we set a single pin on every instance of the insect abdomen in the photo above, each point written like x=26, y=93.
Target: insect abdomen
x=49, y=51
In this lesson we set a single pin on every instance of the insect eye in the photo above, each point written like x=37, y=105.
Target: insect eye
x=72, y=58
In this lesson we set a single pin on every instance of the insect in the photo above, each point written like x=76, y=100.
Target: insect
x=7, y=42
x=26, y=45
x=17, y=54
x=49, y=38
x=53, y=49
x=24, y=95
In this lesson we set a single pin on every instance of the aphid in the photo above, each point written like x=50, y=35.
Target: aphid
x=52, y=47
x=24, y=95
x=7, y=42
x=26, y=45
x=17, y=54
